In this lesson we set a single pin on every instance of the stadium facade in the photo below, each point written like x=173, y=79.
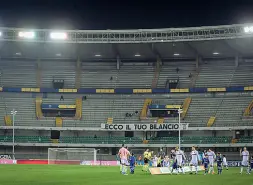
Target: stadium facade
x=99, y=89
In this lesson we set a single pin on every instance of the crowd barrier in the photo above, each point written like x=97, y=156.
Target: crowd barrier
x=128, y=90
x=86, y=163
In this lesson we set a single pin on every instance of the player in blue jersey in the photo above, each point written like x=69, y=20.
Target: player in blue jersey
x=205, y=163
x=132, y=163
x=251, y=165
x=166, y=162
x=219, y=163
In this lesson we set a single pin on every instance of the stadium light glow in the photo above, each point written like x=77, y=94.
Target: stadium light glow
x=18, y=53
x=176, y=54
x=0, y=34
x=216, y=53
x=97, y=55
x=28, y=35
x=137, y=55
x=248, y=29
x=58, y=35
x=58, y=54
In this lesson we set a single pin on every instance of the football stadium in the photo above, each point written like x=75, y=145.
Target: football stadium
x=70, y=99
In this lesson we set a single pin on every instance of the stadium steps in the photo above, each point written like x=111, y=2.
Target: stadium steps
x=186, y=106
x=156, y=74
x=79, y=103
x=247, y=111
x=38, y=103
x=144, y=110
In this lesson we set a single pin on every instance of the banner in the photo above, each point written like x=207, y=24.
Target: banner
x=8, y=161
x=98, y=163
x=4, y=156
x=144, y=127
x=234, y=163
x=166, y=170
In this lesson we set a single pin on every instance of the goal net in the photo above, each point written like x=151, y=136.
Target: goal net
x=71, y=155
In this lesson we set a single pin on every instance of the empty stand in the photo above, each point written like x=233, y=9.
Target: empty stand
x=168, y=72
x=243, y=75
x=215, y=74
x=58, y=70
x=18, y=73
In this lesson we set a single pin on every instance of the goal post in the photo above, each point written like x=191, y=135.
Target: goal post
x=71, y=155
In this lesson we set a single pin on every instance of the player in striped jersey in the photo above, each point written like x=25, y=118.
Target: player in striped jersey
x=245, y=159
x=194, y=159
x=211, y=158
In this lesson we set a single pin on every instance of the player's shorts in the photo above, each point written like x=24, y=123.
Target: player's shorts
x=146, y=160
x=205, y=165
x=245, y=163
x=225, y=164
x=194, y=163
x=179, y=163
x=251, y=165
x=124, y=161
x=174, y=166
x=211, y=162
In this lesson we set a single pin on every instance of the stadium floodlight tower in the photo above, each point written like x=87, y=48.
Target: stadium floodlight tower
x=180, y=111
x=13, y=112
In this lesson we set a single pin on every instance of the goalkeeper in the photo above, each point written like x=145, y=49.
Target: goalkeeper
x=147, y=156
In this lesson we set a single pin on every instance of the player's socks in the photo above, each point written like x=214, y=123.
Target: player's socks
x=143, y=167
x=120, y=168
x=182, y=169
x=241, y=169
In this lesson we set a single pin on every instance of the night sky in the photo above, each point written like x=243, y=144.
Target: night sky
x=95, y=14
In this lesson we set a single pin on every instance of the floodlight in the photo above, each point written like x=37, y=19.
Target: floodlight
x=28, y=35
x=97, y=55
x=137, y=55
x=176, y=54
x=58, y=35
x=248, y=29
x=216, y=53
x=0, y=34
x=58, y=54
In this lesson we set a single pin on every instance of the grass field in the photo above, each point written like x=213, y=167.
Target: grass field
x=89, y=175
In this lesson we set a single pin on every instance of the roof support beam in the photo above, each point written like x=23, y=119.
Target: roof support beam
x=237, y=53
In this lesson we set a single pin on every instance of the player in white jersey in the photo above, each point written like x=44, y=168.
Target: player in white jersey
x=179, y=158
x=224, y=162
x=194, y=159
x=211, y=157
x=245, y=159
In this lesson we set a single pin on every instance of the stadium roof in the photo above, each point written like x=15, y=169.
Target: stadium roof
x=183, y=43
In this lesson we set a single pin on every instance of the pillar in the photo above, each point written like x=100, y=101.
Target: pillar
x=38, y=76
x=118, y=62
x=236, y=60
x=198, y=61
x=78, y=73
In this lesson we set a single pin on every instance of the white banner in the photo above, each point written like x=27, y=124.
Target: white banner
x=144, y=127
x=167, y=170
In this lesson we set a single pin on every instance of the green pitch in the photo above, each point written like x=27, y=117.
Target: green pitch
x=89, y=175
